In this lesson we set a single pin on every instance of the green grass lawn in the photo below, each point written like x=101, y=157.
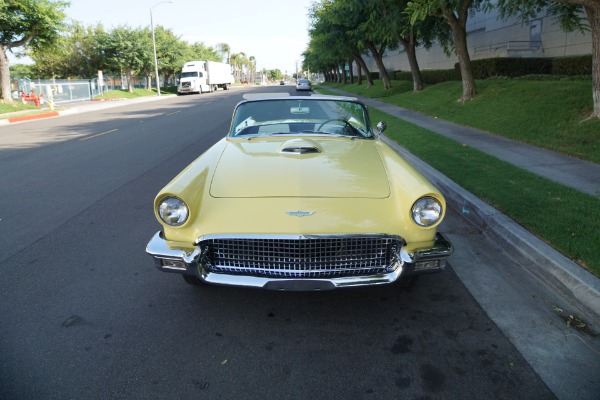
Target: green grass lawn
x=125, y=94
x=564, y=218
x=15, y=106
x=548, y=114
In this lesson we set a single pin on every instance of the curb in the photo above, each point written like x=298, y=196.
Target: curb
x=32, y=117
x=569, y=280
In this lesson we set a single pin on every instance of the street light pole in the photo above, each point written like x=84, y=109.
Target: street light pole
x=154, y=47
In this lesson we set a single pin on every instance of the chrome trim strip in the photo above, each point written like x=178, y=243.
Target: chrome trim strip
x=298, y=284
x=297, y=236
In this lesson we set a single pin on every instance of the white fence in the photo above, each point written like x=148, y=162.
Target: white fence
x=59, y=90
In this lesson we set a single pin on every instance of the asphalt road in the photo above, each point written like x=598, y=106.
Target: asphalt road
x=84, y=313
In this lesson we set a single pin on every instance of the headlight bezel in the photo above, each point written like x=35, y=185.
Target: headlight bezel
x=173, y=206
x=427, y=211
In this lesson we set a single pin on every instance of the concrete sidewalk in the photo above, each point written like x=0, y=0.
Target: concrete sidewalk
x=569, y=280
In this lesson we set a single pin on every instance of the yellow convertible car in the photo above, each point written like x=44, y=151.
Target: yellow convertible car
x=302, y=194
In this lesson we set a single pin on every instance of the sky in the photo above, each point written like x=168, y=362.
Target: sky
x=275, y=32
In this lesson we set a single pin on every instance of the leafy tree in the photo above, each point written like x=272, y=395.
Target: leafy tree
x=76, y=54
x=32, y=23
x=170, y=52
x=21, y=71
x=199, y=51
x=568, y=13
x=274, y=74
x=455, y=13
x=128, y=51
x=334, y=40
x=356, y=12
x=390, y=19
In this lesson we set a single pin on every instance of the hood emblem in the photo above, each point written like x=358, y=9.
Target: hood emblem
x=300, y=213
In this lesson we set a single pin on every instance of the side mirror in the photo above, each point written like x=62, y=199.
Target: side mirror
x=381, y=126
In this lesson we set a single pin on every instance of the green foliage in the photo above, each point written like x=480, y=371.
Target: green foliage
x=35, y=23
x=510, y=66
x=21, y=70
x=431, y=76
x=15, y=106
x=572, y=66
x=32, y=23
x=567, y=12
x=274, y=74
x=126, y=94
x=579, y=67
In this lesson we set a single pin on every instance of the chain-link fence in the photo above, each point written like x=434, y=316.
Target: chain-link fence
x=69, y=90
x=58, y=90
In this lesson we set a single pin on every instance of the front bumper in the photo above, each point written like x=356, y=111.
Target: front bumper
x=177, y=260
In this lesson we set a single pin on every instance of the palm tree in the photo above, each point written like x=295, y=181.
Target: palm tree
x=225, y=49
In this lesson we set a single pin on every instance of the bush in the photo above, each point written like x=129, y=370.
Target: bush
x=429, y=76
x=510, y=67
x=572, y=66
x=558, y=68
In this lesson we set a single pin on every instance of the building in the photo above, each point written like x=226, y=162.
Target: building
x=489, y=36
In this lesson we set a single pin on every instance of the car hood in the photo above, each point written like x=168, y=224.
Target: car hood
x=300, y=167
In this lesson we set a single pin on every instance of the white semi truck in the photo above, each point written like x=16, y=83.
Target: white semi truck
x=204, y=76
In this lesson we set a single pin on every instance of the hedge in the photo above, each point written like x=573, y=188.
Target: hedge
x=574, y=66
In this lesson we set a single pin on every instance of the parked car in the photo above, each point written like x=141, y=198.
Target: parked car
x=282, y=82
x=303, y=84
x=302, y=194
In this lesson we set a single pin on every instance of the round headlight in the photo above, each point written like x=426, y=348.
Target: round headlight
x=426, y=211
x=173, y=211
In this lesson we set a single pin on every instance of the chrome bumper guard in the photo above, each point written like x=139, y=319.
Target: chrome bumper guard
x=422, y=261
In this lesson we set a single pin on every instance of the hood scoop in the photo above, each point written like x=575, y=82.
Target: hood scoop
x=300, y=146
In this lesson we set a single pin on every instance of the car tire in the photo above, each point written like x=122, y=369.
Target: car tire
x=192, y=280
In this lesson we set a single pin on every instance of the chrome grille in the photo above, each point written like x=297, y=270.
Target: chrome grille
x=302, y=258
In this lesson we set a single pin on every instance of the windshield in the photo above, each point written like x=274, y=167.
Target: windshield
x=301, y=116
x=193, y=74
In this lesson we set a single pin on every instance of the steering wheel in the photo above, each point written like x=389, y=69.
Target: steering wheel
x=345, y=122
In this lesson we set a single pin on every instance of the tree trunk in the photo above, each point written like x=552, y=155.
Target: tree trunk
x=5, y=94
x=358, y=73
x=343, y=72
x=363, y=66
x=149, y=82
x=593, y=15
x=411, y=52
x=129, y=81
x=459, y=32
x=350, y=69
x=378, y=57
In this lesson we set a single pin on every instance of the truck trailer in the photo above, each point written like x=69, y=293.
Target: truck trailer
x=204, y=76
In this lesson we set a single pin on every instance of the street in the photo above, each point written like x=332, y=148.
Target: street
x=85, y=314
